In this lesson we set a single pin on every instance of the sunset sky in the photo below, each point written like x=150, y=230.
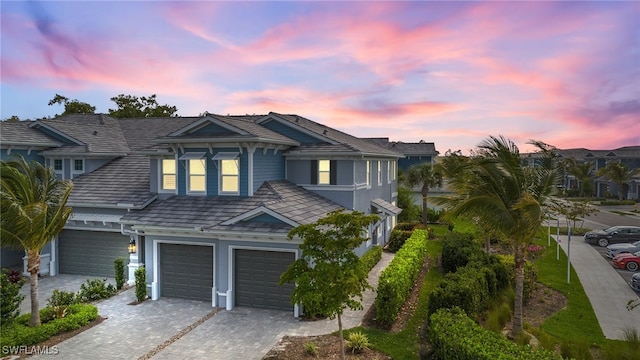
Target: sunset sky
x=452, y=73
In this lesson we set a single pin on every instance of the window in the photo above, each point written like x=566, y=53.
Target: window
x=379, y=172
x=57, y=165
x=368, y=173
x=168, y=174
x=324, y=172
x=78, y=165
x=229, y=176
x=197, y=175
x=389, y=171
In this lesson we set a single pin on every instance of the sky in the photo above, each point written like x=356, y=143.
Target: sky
x=453, y=73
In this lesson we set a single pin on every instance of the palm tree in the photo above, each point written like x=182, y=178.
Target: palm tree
x=583, y=173
x=425, y=176
x=34, y=211
x=619, y=174
x=504, y=197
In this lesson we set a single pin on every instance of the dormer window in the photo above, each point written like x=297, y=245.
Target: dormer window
x=168, y=177
x=323, y=172
x=78, y=167
x=368, y=174
x=379, y=172
x=229, y=166
x=196, y=172
x=58, y=168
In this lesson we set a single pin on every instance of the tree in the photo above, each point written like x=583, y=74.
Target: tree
x=425, y=176
x=496, y=190
x=583, y=173
x=12, y=119
x=34, y=211
x=329, y=274
x=619, y=174
x=140, y=107
x=72, y=106
x=573, y=211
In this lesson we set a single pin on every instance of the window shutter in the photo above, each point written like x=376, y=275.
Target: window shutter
x=314, y=172
x=333, y=172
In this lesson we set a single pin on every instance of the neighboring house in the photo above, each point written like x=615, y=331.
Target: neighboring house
x=414, y=153
x=628, y=156
x=208, y=201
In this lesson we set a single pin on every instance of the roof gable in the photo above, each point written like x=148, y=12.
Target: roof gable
x=208, y=125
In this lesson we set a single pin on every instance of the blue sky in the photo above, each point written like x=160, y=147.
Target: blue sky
x=453, y=73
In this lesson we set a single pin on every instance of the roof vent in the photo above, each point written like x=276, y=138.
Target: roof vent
x=95, y=132
x=324, y=132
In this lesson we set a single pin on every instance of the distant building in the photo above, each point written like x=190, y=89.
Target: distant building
x=415, y=153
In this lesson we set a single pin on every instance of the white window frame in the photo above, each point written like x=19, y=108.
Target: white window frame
x=56, y=171
x=75, y=172
x=162, y=174
x=327, y=172
x=190, y=176
x=379, y=173
x=368, y=173
x=388, y=171
x=222, y=176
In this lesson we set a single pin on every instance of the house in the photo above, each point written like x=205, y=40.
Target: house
x=628, y=156
x=414, y=153
x=207, y=201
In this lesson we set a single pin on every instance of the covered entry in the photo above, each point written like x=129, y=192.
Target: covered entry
x=186, y=271
x=90, y=252
x=257, y=274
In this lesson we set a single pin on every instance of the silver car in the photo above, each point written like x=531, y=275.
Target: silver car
x=615, y=249
x=635, y=282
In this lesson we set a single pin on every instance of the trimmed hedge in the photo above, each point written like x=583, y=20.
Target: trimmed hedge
x=453, y=335
x=397, y=238
x=370, y=258
x=397, y=280
x=19, y=333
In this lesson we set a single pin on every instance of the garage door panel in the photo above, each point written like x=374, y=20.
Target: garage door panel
x=90, y=252
x=257, y=274
x=186, y=271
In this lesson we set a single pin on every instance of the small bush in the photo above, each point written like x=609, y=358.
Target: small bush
x=357, y=342
x=96, y=289
x=10, y=297
x=141, y=283
x=370, y=258
x=311, y=348
x=457, y=249
x=405, y=226
x=62, y=298
x=397, y=239
x=118, y=264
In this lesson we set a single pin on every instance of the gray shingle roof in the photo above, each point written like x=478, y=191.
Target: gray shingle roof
x=409, y=149
x=21, y=133
x=124, y=180
x=140, y=134
x=209, y=212
x=98, y=133
x=586, y=154
x=357, y=145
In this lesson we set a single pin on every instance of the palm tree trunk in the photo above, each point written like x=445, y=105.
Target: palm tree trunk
x=425, y=192
x=342, y=352
x=517, y=308
x=33, y=267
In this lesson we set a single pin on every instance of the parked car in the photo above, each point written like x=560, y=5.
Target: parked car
x=615, y=249
x=612, y=235
x=627, y=261
x=635, y=282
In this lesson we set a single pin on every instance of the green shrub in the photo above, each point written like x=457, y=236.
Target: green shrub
x=62, y=298
x=457, y=249
x=453, y=335
x=96, y=289
x=617, y=202
x=311, y=348
x=357, y=342
x=118, y=264
x=397, y=280
x=370, y=258
x=141, y=283
x=19, y=333
x=466, y=288
x=397, y=238
x=406, y=226
x=10, y=297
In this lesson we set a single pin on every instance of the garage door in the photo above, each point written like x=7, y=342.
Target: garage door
x=257, y=275
x=186, y=271
x=90, y=252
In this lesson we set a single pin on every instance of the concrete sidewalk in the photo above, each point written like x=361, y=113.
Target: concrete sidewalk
x=607, y=290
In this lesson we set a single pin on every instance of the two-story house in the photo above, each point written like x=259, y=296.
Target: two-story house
x=207, y=201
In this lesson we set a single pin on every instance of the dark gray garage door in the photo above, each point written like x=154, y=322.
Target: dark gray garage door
x=186, y=271
x=90, y=252
x=257, y=275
